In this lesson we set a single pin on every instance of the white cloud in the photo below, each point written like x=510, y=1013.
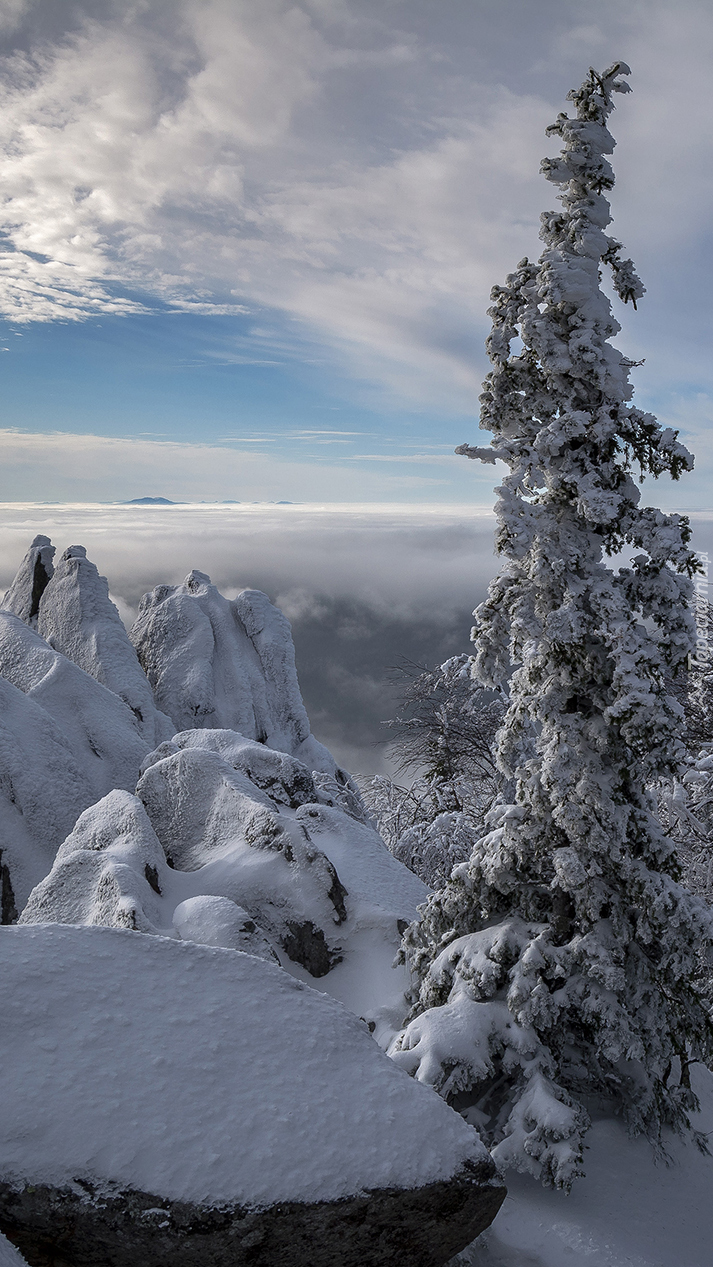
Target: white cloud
x=12, y=13
x=215, y=153
x=387, y=556
x=74, y=468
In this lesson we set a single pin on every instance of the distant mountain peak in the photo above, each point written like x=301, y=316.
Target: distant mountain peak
x=150, y=501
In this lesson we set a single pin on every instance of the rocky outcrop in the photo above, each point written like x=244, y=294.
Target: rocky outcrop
x=216, y=921
x=43, y=789
x=77, y=617
x=171, y=1102
x=226, y=843
x=31, y=580
x=108, y=871
x=221, y=664
x=101, y=731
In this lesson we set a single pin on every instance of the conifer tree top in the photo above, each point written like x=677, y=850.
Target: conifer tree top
x=559, y=409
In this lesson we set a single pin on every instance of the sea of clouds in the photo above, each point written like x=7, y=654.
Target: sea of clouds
x=366, y=587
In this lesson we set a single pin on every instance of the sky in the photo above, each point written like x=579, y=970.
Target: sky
x=247, y=248
x=246, y=251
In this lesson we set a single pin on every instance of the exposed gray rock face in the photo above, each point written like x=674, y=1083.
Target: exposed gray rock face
x=215, y=663
x=31, y=580
x=77, y=617
x=423, y=1227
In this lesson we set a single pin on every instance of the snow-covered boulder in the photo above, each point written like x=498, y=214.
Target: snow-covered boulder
x=43, y=789
x=319, y=886
x=102, y=733
x=170, y=1102
x=286, y=780
x=106, y=871
x=31, y=580
x=224, y=664
x=216, y=921
x=77, y=617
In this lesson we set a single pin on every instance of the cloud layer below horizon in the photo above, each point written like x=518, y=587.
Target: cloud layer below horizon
x=365, y=586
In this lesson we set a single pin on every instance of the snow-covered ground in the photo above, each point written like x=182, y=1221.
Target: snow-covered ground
x=628, y=1212
x=60, y=719
x=195, y=1073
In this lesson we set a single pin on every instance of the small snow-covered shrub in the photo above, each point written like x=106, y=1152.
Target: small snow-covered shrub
x=445, y=731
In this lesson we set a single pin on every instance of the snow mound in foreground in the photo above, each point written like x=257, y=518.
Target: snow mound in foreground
x=201, y=1075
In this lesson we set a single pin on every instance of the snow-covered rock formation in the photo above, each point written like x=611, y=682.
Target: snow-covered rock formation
x=217, y=663
x=77, y=617
x=102, y=732
x=70, y=608
x=43, y=789
x=31, y=580
x=169, y=1102
x=146, y=1112
x=224, y=833
x=62, y=644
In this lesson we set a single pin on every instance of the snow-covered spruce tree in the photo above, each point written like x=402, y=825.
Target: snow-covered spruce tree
x=558, y=962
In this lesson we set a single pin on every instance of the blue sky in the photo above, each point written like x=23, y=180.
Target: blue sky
x=249, y=246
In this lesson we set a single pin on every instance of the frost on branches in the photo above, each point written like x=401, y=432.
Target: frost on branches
x=558, y=963
x=445, y=731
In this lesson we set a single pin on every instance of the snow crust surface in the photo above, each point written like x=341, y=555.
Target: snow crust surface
x=201, y=1074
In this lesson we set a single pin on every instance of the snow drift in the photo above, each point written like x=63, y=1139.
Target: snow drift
x=195, y=1075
